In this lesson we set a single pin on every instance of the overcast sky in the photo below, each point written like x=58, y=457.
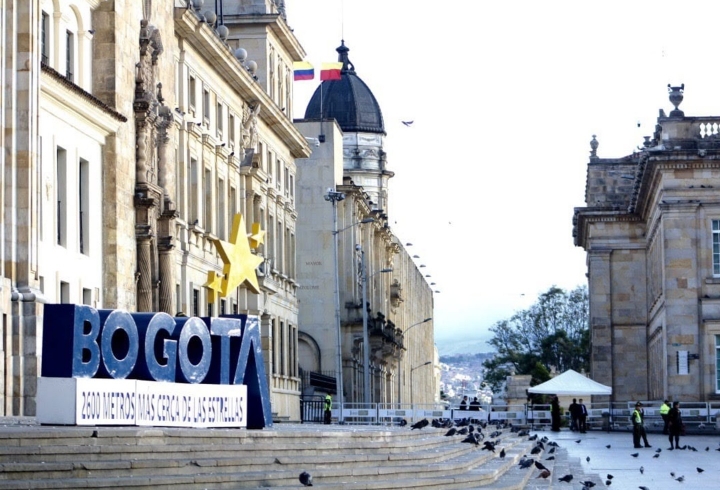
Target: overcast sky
x=505, y=97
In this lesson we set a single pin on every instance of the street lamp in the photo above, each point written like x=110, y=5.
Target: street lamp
x=335, y=197
x=366, y=338
x=399, y=370
x=411, y=381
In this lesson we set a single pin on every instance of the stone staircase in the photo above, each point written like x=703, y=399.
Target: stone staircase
x=347, y=457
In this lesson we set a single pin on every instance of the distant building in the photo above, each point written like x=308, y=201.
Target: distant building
x=348, y=174
x=651, y=230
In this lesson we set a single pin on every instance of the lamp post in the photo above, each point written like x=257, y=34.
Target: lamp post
x=366, y=338
x=399, y=369
x=411, y=381
x=335, y=197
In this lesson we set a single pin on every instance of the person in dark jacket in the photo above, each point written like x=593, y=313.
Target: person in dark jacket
x=675, y=425
x=555, y=413
x=573, y=415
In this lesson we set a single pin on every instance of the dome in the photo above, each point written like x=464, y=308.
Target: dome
x=349, y=101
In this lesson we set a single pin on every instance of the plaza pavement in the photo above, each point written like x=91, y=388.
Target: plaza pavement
x=618, y=461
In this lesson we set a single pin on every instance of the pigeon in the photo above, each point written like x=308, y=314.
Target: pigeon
x=635, y=455
x=608, y=446
x=544, y=473
x=502, y=453
x=642, y=470
x=462, y=432
x=420, y=425
x=680, y=478
x=588, y=483
x=533, y=437
x=699, y=470
x=408, y=123
x=403, y=423
x=578, y=441
x=451, y=432
x=587, y=459
x=536, y=450
x=471, y=439
x=551, y=450
x=306, y=479
x=707, y=448
x=656, y=456
x=642, y=487
x=610, y=477
x=550, y=458
x=566, y=478
x=608, y=483
x=539, y=465
x=526, y=463
x=658, y=450
x=672, y=474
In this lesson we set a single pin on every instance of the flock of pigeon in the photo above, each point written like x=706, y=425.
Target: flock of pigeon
x=474, y=435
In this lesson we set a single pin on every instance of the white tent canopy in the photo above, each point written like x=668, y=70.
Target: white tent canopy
x=571, y=383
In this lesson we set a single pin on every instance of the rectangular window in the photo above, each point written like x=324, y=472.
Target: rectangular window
x=193, y=198
x=192, y=94
x=84, y=208
x=44, y=38
x=716, y=246
x=219, y=120
x=87, y=296
x=64, y=292
x=222, y=212
x=231, y=130
x=206, y=107
x=208, y=225
x=233, y=203
x=61, y=189
x=717, y=363
x=210, y=309
x=196, y=302
x=222, y=306
x=69, y=55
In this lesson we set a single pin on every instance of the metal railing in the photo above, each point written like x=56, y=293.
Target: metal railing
x=697, y=416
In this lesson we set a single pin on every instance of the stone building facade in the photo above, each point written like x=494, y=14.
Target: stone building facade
x=348, y=160
x=133, y=133
x=651, y=229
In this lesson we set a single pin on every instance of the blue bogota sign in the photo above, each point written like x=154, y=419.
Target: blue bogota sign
x=113, y=367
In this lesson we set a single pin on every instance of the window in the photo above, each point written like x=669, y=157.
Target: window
x=192, y=93
x=231, y=130
x=45, y=38
x=206, y=107
x=208, y=225
x=64, y=292
x=222, y=214
x=222, y=306
x=716, y=246
x=193, y=198
x=196, y=302
x=233, y=202
x=219, y=120
x=87, y=297
x=84, y=208
x=62, y=205
x=69, y=55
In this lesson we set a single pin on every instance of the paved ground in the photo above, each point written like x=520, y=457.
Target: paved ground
x=619, y=462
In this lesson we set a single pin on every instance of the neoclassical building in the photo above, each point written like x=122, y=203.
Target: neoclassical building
x=343, y=199
x=651, y=230
x=133, y=134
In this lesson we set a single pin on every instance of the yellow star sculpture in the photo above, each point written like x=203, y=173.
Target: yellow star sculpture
x=240, y=262
x=257, y=237
x=214, y=285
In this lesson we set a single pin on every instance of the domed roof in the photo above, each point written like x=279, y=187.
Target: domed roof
x=349, y=101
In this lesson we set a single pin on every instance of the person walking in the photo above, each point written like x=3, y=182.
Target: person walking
x=664, y=409
x=639, y=427
x=582, y=417
x=574, y=415
x=555, y=413
x=675, y=424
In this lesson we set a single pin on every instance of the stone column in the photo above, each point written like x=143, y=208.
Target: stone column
x=145, y=286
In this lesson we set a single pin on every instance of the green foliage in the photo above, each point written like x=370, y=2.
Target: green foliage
x=551, y=334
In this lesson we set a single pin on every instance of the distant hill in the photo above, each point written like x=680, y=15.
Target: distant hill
x=456, y=346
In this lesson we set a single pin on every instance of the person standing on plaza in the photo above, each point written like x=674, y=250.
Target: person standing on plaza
x=555, y=413
x=582, y=417
x=664, y=409
x=328, y=409
x=675, y=424
x=574, y=415
x=464, y=403
x=639, y=427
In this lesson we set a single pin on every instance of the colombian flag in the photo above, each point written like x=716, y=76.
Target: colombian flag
x=303, y=70
x=331, y=71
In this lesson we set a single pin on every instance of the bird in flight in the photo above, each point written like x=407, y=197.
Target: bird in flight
x=408, y=123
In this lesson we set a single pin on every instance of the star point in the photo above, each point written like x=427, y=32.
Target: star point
x=240, y=262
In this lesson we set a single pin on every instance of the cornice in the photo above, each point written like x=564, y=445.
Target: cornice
x=279, y=28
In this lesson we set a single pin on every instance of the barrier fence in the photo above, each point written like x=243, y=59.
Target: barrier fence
x=601, y=416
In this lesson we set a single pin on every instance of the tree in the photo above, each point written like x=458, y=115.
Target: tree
x=550, y=335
